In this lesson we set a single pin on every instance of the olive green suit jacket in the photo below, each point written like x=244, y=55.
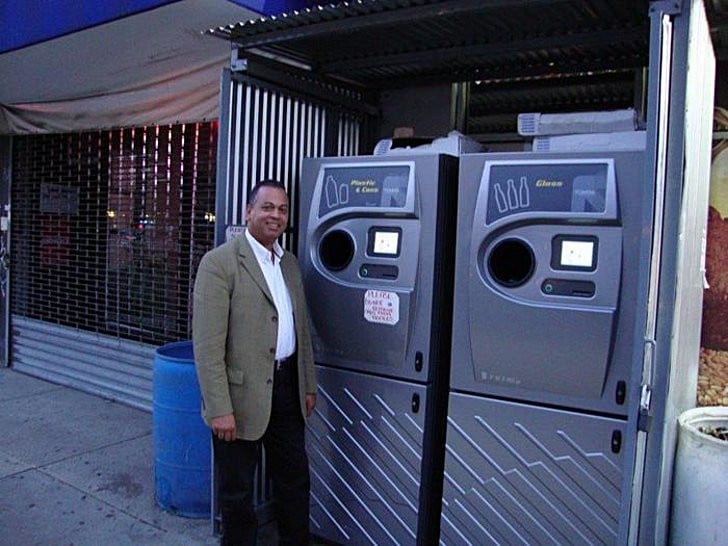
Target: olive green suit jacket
x=234, y=332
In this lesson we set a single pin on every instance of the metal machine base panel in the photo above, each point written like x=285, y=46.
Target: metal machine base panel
x=520, y=474
x=365, y=444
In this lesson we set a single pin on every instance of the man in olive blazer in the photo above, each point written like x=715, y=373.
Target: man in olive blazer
x=234, y=331
x=237, y=346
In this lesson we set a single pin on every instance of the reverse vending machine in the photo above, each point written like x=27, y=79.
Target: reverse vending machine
x=547, y=327
x=377, y=253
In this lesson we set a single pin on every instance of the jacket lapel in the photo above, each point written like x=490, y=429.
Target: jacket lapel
x=248, y=261
x=285, y=270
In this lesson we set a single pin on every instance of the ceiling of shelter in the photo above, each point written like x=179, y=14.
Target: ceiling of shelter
x=519, y=55
x=389, y=43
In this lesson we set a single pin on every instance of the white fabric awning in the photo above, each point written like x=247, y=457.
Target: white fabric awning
x=154, y=67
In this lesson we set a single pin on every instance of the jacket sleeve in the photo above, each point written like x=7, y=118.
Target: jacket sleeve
x=210, y=315
x=307, y=348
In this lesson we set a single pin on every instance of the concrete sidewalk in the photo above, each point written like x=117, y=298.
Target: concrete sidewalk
x=77, y=469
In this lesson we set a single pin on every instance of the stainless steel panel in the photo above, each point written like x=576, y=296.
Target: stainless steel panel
x=410, y=342
x=514, y=338
x=520, y=474
x=365, y=443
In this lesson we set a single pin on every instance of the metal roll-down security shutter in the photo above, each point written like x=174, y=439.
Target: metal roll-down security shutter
x=107, y=230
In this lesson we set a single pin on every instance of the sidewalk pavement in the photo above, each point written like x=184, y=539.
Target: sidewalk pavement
x=77, y=470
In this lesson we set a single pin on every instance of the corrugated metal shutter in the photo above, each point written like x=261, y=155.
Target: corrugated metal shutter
x=111, y=367
x=107, y=231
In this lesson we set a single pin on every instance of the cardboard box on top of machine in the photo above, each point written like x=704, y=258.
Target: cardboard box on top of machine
x=537, y=124
x=621, y=141
x=455, y=144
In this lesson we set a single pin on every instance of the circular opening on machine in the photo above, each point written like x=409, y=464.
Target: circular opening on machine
x=336, y=250
x=511, y=262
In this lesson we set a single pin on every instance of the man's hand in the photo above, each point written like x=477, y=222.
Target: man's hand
x=223, y=427
x=310, y=404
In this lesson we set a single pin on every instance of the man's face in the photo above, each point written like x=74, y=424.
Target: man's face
x=267, y=217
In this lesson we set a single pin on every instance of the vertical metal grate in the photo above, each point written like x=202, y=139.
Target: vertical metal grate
x=109, y=226
x=270, y=132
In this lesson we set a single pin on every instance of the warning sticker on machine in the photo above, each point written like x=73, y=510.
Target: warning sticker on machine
x=381, y=307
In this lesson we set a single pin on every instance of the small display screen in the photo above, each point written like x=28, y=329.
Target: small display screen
x=373, y=186
x=574, y=252
x=384, y=241
x=577, y=253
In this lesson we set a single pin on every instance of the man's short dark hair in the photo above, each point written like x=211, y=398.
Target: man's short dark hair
x=269, y=183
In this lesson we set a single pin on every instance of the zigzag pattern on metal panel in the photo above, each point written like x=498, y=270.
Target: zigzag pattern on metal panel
x=519, y=475
x=365, y=450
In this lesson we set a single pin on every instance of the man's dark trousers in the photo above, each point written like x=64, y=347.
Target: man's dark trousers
x=286, y=464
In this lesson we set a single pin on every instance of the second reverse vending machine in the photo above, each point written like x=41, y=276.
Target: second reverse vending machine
x=547, y=325
x=376, y=251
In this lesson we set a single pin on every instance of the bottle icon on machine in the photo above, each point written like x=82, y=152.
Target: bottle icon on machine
x=524, y=198
x=513, y=203
x=332, y=192
x=513, y=198
x=500, y=199
x=336, y=194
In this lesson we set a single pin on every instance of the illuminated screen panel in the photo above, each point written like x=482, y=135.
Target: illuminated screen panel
x=574, y=252
x=384, y=242
x=577, y=253
x=364, y=186
x=516, y=188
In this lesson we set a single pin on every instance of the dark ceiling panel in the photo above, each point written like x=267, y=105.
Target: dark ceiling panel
x=384, y=43
x=519, y=55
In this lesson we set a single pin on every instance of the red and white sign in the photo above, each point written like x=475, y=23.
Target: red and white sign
x=381, y=307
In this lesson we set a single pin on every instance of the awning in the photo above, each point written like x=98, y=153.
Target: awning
x=154, y=66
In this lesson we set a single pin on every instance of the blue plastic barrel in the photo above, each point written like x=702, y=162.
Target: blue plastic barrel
x=181, y=438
